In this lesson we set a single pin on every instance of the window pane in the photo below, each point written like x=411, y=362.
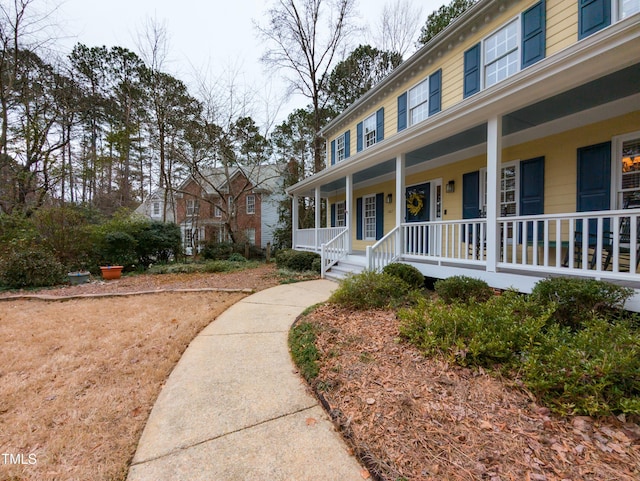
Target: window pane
x=370, y=217
x=501, y=56
x=629, y=7
x=630, y=170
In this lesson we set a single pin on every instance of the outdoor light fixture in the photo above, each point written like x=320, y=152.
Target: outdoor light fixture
x=451, y=186
x=389, y=198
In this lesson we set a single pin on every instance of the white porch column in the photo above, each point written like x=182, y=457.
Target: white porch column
x=348, y=206
x=494, y=161
x=400, y=188
x=294, y=221
x=400, y=204
x=318, y=221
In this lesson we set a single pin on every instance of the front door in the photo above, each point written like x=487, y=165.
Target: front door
x=594, y=184
x=418, y=208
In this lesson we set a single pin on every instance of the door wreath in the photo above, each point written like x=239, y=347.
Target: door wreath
x=415, y=203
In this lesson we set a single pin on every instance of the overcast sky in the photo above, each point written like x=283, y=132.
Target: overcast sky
x=203, y=35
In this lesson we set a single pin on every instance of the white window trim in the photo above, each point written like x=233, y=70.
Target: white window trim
x=518, y=20
x=217, y=211
x=156, y=208
x=616, y=171
x=340, y=150
x=410, y=109
x=483, y=187
x=365, y=198
x=371, y=118
x=251, y=206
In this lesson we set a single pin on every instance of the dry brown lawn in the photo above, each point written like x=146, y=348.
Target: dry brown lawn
x=78, y=378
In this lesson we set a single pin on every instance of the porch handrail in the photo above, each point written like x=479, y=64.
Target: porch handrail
x=385, y=251
x=312, y=239
x=331, y=252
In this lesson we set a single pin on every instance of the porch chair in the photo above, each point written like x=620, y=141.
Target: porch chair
x=625, y=243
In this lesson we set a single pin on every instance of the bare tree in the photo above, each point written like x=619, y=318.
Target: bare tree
x=398, y=26
x=306, y=38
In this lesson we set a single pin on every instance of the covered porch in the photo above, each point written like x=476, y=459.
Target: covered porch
x=581, y=105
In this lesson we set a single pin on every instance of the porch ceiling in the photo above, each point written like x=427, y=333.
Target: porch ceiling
x=609, y=88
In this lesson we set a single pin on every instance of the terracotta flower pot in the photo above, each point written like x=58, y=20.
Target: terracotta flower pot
x=111, y=272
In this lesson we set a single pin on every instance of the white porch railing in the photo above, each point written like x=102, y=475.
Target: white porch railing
x=312, y=239
x=600, y=243
x=385, y=251
x=337, y=248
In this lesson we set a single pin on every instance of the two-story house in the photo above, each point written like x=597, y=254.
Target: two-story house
x=238, y=205
x=507, y=148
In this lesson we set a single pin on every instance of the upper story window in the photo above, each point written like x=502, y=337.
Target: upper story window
x=340, y=152
x=369, y=126
x=370, y=131
x=217, y=211
x=251, y=204
x=594, y=15
x=628, y=8
x=193, y=207
x=516, y=45
x=501, y=54
x=340, y=147
x=421, y=101
x=156, y=208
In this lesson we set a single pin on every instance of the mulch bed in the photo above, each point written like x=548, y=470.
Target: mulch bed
x=418, y=419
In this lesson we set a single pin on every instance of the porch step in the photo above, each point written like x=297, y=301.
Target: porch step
x=349, y=265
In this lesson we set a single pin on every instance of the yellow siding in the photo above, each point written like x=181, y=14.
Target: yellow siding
x=562, y=31
x=560, y=152
x=562, y=24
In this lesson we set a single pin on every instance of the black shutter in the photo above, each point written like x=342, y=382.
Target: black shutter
x=435, y=92
x=532, y=193
x=402, y=112
x=472, y=71
x=379, y=216
x=534, y=34
x=359, y=218
x=593, y=15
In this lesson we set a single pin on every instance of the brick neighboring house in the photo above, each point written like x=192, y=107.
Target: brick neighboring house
x=242, y=207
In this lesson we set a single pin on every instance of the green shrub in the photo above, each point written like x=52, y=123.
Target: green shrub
x=217, y=251
x=31, y=267
x=157, y=242
x=296, y=260
x=302, y=338
x=577, y=299
x=370, y=290
x=316, y=265
x=497, y=331
x=235, y=257
x=407, y=273
x=593, y=371
x=118, y=248
x=463, y=289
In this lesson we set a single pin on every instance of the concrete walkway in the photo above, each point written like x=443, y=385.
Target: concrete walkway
x=234, y=408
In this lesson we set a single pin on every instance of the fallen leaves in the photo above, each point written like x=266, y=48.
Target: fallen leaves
x=426, y=420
